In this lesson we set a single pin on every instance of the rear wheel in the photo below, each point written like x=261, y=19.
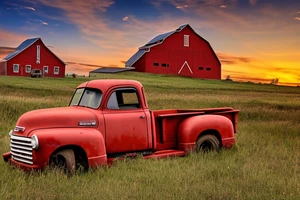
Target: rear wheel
x=65, y=160
x=207, y=143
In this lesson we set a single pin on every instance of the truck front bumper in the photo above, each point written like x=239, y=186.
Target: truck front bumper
x=23, y=166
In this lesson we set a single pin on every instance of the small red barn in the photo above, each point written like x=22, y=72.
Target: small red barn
x=180, y=52
x=31, y=55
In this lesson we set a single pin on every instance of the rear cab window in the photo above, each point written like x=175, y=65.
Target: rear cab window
x=124, y=99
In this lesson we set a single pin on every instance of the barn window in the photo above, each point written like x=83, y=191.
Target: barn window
x=28, y=68
x=164, y=65
x=186, y=40
x=208, y=69
x=16, y=68
x=200, y=68
x=156, y=64
x=56, y=70
x=45, y=69
x=38, y=54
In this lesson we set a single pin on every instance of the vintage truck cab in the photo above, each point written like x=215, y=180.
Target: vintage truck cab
x=110, y=118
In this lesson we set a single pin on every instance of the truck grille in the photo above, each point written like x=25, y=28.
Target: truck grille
x=21, y=149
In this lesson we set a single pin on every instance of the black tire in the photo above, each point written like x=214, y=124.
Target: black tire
x=65, y=160
x=207, y=143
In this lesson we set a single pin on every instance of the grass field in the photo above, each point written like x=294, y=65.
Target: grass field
x=264, y=164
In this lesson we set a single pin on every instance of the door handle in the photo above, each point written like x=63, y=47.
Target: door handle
x=142, y=116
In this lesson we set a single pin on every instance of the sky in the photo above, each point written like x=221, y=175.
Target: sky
x=255, y=40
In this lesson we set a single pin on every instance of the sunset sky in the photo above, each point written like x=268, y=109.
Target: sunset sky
x=255, y=40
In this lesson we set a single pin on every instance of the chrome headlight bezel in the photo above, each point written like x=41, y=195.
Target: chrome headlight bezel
x=34, y=142
x=10, y=133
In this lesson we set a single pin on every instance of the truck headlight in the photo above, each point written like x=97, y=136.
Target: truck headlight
x=10, y=133
x=34, y=142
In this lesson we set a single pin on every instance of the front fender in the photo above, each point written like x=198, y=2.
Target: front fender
x=190, y=129
x=90, y=140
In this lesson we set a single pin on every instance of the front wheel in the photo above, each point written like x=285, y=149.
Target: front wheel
x=64, y=159
x=207, y=143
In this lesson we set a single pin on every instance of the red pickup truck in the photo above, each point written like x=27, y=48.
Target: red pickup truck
x=110, y=118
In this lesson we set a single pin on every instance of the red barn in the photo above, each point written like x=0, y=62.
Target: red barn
x=180, y=52
x=31, y=55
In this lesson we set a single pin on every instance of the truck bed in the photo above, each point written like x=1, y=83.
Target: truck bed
x=165, y=123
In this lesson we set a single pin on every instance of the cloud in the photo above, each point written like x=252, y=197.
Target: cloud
x=297, y=18
x=182, y=6
x=20, y=7
x=125, y=18
x=36, y=21
x=157, y=3
x=252, y=2
x=29, y=8
x=232, y=60
x=88, y=18
x=4, y=51
x=10, y=38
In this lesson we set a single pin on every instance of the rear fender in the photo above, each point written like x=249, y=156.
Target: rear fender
x=52, y=140
x=193, y=127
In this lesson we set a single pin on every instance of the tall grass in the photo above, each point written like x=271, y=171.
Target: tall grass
x=264, y=164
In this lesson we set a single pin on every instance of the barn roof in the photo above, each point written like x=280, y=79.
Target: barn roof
x=135, y=57
x=24, y=45
x=111, y=69
x=156, y=41
x=163, y=36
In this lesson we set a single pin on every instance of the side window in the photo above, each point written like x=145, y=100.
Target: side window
x=45, y=69
x=124, y=99
x=56, y=70
x=28, y=68
x=16, y=68
x=186, y=41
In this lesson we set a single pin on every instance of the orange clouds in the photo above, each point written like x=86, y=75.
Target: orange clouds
x=261, y=69
x=8, y=38
x=230, y=59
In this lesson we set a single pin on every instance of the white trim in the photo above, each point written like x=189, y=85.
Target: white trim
x=14, y=68
x=185, y=63
x=26, y=68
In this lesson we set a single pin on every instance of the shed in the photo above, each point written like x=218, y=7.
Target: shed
x=109, y=70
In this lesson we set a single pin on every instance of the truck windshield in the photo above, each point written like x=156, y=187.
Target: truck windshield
x=86, y=97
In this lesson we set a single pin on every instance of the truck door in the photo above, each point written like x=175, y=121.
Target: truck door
x=125, y=122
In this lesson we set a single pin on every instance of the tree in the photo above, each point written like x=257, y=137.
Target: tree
x=275, y=81
x=228, y=78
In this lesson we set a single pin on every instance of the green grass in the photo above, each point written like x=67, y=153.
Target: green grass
x=264, y=164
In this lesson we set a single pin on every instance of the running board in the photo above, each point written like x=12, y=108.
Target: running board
x=166, y=153
x=156, y=154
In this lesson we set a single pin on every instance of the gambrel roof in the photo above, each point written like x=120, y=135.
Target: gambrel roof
x=24, y=45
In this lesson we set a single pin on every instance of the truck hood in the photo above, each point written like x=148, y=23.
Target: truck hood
x=65, y=117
